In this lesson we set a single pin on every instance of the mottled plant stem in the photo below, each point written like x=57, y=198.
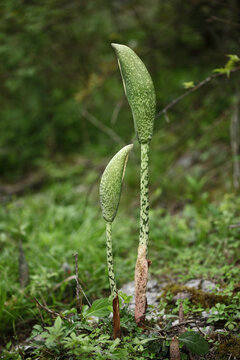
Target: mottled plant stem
x=141, y=270
x=110, y=259
x=144, y=193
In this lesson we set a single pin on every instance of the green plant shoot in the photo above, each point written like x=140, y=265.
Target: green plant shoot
x=141, y=96
x=110, y=192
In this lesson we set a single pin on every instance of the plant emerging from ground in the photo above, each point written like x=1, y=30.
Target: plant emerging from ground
x=110, y=192
x=140, y=93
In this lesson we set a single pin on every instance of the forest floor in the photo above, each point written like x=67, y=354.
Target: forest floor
x=195, y=271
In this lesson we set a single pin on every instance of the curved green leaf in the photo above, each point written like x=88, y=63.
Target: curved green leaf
x=139, y=90
x=111, y=183
x=99, y=308
x=194, y=342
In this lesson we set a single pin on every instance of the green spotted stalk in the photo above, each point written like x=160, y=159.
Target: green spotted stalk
x=110, y=192
x=111, y=275
x=139, y=90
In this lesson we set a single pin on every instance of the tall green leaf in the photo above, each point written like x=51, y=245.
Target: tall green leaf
x=139, y=90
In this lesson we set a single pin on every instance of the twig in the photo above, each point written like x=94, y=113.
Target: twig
x=51, y=312
x=181, y=324
x=233, y=226
x=32, y=181
x=69, y=278
x=166, y=116
x=193, y=89
x=116, y=111
x=89, y=191
x=78, y=288
x=84, y=294
x=201, y=332
x=184, y=323
x=40, y=314
x=216, y=18
x=93, y=120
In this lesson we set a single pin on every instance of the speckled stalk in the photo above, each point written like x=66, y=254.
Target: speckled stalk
x=141, y=270
x=144, y=194
x=111, y=275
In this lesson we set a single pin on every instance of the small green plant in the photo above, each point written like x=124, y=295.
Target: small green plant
x=229, y=314
x=141, y=96
x=110, y=192
x=229, y=66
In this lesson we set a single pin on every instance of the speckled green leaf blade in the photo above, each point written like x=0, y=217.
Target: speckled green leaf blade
x=111, y=183
x=139, y=90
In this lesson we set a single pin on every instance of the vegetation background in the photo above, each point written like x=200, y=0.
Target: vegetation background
x=59, y=72
x=63, y=115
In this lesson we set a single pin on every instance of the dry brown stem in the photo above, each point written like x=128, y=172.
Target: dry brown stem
x=116, y=318
x=174, y=349
x=141, y=275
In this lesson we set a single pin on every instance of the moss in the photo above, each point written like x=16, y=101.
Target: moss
x=207, y=300
x=229, y=346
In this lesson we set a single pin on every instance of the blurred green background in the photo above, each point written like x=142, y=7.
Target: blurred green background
x=62, y=98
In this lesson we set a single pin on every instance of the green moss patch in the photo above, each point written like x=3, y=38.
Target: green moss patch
x=207, y=300
x=229, y=346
